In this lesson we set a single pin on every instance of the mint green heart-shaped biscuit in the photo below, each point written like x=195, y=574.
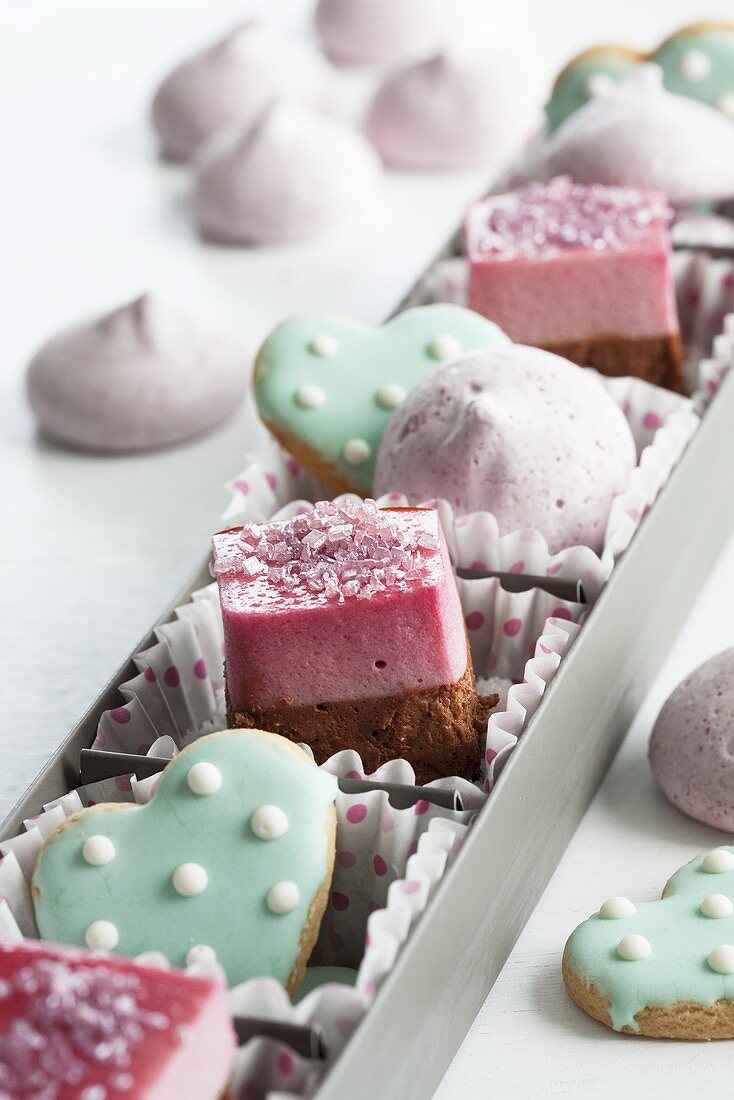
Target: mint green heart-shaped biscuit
x=230, y=860
x=327, y=385
x=662, y=956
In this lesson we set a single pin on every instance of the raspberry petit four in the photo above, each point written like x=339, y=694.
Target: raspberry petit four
x=343, y=629
x=326, y=385
x=583, y=271
x=230, y=83
x=517, y=432
x=247, y=192
x=81, y=1026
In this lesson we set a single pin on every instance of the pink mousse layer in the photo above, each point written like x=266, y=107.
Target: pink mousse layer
x=81, y=1026
x=560, y=262
x=359, y=639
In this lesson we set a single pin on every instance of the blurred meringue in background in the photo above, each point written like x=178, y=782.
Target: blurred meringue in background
x=382, y=33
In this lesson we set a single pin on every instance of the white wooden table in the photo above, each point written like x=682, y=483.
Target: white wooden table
x=93, y=548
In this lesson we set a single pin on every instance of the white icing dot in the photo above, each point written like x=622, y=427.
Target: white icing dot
x=725, y=103
x=695, y=65
x=356, y=452
x=444, y=346
x=633, y=948
x=391, y=395
x=716, y=905
x=283, y=898
x=190, y=879
x=717, y=861
x=102, y=935
x=200, y=953
x=204, y=778
x=269, y=822
x=310, y=396
x=98, y=850
x=721, y=959
x=599, y=85
x=616, y=909
x=324, y=345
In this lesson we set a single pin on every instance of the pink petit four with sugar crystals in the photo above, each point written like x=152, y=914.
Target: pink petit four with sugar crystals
x=584, y=271
x=343, y=628
x=81, y=1026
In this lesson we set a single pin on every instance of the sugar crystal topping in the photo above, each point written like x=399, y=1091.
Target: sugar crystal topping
x=561, y=216
x=76, y=1020
x=343, y=549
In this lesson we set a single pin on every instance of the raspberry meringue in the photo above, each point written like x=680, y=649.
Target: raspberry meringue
x=293, y=175
x=515, y=431
x=229, y=84
x=381, y=32
x=142, y=377
x=642, y=135
x=459, y=109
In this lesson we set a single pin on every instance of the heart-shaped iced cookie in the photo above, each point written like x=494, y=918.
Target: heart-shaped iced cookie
x=697, y=61
x=327, y=385
x=231, y=859
x=662, y=968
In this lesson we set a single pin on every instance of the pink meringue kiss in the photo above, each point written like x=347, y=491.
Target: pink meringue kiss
x=640, y=135
x=381, y=32
x=231, y=82
x=460, y=109
x=144, y=376
x=294, y=175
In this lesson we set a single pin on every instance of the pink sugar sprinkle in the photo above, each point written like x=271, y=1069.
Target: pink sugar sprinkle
x=75, y=1019
x=560, y=216
x=343, y=550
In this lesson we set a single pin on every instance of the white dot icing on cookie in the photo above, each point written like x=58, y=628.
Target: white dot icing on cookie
x=391, y=395
x=190, y=879
x=98, y=850
x=695, y=65
x=444, y=346
x=310, y=396
x=617, y=908
x=725, y=103
x=721, y=959
x=200, y=953
x=283, y=898
x=102, y=935
x=269, y=822
x=356, y=452
x=633, y=948
x=599, y=85
x=324, y=345
x=716, y=906
x=204, y=778
x=717, y=861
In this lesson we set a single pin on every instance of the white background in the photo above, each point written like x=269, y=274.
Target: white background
x=93, y=548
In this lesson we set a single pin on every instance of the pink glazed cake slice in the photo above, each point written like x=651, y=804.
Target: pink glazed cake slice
x=584, y=271
x=343, y=629
x=81, y=1026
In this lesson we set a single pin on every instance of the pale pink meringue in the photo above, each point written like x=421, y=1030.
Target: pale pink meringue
x=142, y=377
x=459, y=109
x=382, y=32
x=295, y=174
x=641, y=135
x=231, y=82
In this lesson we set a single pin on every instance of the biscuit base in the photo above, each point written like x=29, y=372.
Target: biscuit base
x=657, y=359
x=439, y=730
x=681, y=1020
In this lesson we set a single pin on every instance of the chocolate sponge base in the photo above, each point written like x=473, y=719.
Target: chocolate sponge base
x=440, y=730
x=657, y=359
